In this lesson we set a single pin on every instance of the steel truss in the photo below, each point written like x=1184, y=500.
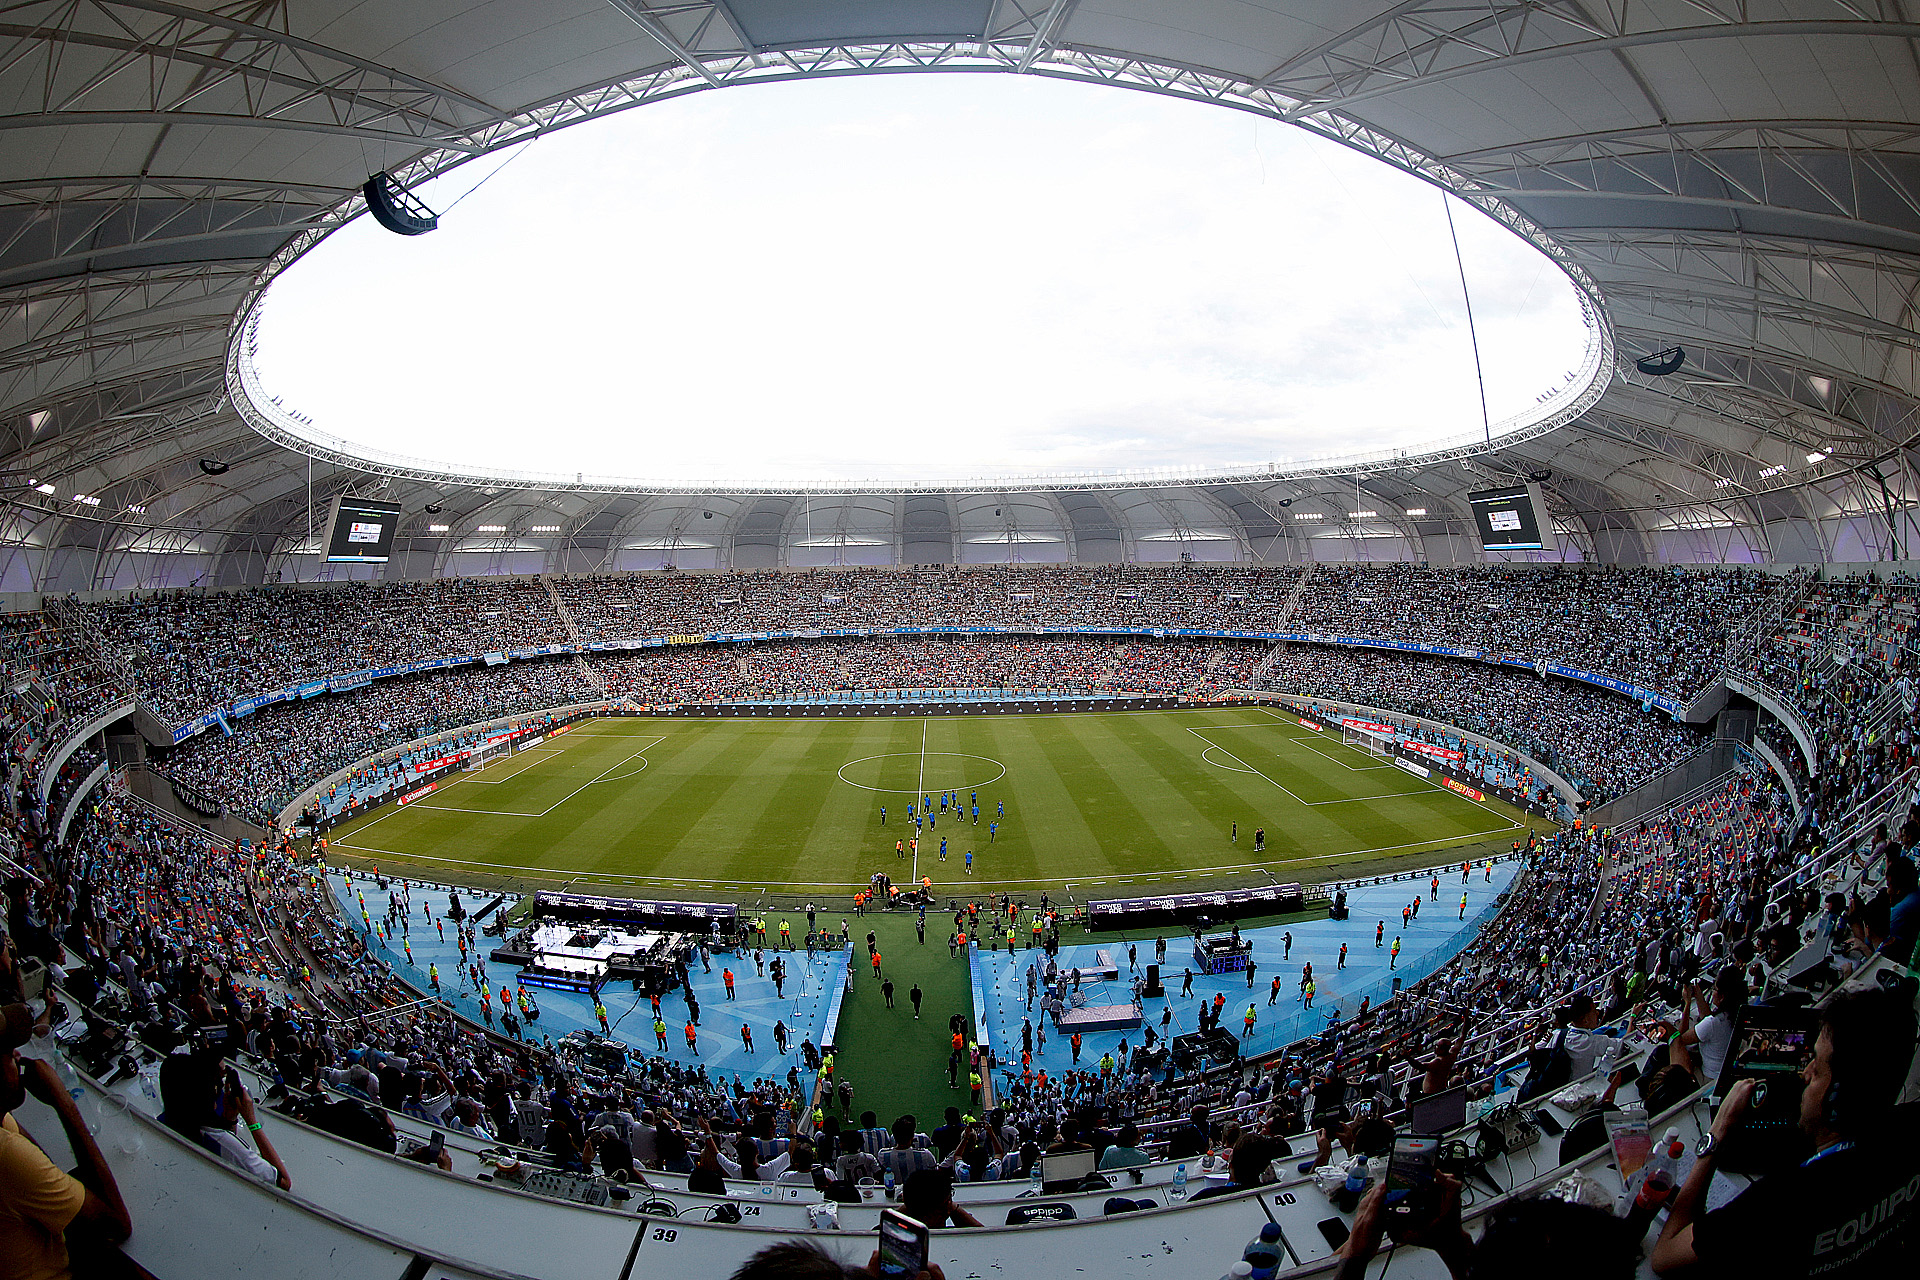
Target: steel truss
x=1761, y=317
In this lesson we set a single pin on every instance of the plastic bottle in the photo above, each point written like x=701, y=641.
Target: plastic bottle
x=1658, y=1180
x=1262, y=1253
x=45, y=1048
x=1179, y=1182
x=1033, y=1176
x=1239, y=1271
x=890, y=1182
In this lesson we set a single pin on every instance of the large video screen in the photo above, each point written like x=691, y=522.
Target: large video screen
x=360, y=531
x=1511, y=519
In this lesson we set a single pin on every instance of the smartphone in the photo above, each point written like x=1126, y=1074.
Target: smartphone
x=1548, y=1125
x=903, y=1244
x=1334, y=1232
x=1410, y=1175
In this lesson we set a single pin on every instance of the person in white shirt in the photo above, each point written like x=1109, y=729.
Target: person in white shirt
x=202, y=1099
x=1713, y=1032
x=1584, y=1041
x=799, y=1164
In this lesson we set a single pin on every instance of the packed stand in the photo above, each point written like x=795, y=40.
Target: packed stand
x=196, y=651
x=193, y=652
x=1664, y=629
x=1600, y=741
x=278, y=751
x=1842, y=661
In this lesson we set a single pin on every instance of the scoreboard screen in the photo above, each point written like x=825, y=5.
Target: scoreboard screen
x=360, y=531
x=1512, y=519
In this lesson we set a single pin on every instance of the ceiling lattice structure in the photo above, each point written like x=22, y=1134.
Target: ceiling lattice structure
x=1742, y=179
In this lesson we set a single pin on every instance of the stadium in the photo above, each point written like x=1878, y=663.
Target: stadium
x=1352, y=558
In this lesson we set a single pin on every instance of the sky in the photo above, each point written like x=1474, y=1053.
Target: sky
x=915, y=279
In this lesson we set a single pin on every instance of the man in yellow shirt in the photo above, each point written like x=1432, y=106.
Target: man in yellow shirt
x=40, y=1205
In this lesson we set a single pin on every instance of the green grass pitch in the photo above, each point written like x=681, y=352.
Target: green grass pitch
x=792, y=805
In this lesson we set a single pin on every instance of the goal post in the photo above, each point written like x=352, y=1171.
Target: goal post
x=1364, y=740
x=484, y=756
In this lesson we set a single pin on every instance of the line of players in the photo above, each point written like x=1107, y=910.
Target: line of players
x=926, y=818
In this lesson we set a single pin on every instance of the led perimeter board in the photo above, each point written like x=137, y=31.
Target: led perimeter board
x=360, y=531
x=1512, y=519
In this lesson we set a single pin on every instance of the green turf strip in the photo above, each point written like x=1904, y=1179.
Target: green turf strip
x=789, y=807
x=897, y=1065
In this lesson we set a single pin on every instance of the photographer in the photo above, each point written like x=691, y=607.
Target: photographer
x=203, y=1100
x=1849, y=1209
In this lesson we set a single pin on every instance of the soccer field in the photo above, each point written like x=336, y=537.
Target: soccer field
x=794, y=805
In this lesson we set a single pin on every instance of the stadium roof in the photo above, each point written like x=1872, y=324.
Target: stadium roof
x=1736, y=179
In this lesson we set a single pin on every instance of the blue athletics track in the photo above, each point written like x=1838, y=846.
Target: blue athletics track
x=1428, y=942
x=809, y=991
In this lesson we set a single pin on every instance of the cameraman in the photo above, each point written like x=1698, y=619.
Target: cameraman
x=1849, y=1210
x=202, y=1099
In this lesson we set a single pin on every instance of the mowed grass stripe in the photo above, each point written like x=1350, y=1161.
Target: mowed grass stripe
x=1191, y=800
x=704, y=820
x=1130, y=841
x=796, y=804
x=1044, y=827
x=753, y=803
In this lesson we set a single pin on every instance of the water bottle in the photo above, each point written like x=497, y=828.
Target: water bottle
x=1263, y=1252
x=1238, y=1271
x=1657, y=1182
x=1180, y=1182
x=889, y=1182
x=1033, y=1177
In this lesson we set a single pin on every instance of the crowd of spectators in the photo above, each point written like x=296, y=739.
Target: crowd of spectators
x=1842, y=661
x=779, y=670
x=191, y=652
x=277, y=752
x=1664, y=629
x=1600, y=741
x=54, y=680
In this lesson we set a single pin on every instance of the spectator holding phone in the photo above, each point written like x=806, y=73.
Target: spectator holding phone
x=205, y=1102
x=1849, y=1210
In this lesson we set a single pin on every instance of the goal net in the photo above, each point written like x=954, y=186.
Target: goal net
x=484, y=756
x=1364, y=740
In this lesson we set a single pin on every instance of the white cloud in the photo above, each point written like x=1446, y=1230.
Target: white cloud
x=915, y=278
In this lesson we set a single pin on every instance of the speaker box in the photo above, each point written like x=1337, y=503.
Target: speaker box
x=1153, y=989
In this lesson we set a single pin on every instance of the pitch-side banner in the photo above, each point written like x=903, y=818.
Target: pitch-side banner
x=1427, y=749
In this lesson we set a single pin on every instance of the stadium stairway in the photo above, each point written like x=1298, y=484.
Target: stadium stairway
x=573, y=633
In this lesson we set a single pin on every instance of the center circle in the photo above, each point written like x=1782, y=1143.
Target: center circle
x=930, y=781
